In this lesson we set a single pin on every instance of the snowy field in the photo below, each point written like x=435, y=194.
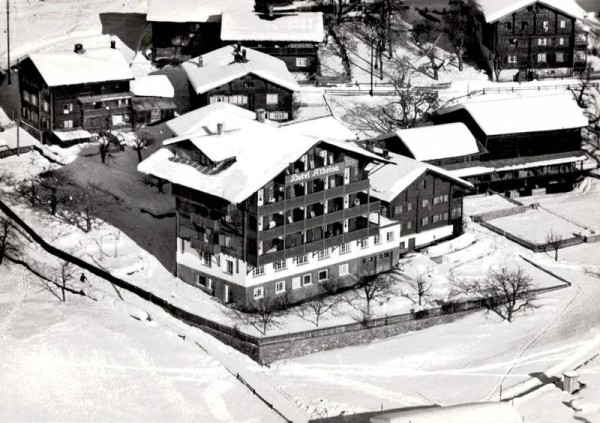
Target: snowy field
x=478, y=204
x=580, y=205
x=535, y=225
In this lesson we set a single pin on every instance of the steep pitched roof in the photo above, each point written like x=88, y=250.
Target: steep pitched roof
x=218, y=68
x=389, y=180
x=70, y=68
x=247, y=26
x=524, y=114
x=260, y=152
x=438, y=141
x=496, y=9
x=153, y=86
x=193, y=10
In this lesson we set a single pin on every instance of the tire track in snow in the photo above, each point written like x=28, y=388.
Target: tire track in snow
x=533, y=340
x=16, y=306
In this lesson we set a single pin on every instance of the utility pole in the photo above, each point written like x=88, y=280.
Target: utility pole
x=8, y=39
x=372, y=41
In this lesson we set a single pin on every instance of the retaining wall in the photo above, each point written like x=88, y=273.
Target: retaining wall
x=497, y=214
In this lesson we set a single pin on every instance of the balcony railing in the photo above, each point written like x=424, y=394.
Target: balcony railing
x=205, y=222
x=318, y=221
x=205, y=246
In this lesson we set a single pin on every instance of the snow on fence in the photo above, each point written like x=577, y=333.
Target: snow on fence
x=496, y=214
x=271, y=348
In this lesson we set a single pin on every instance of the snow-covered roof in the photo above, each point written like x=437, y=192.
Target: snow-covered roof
x=325, y=127
x=389, y=180
x=70, y=68
x=489, y=412
x=193, y=10
x=526, y=114
x=496, y=9
x=248, y=26
x=203, y=121
x=261, y=152
x=218, y=68
x=152, y=86
x=439, y=141
x=8, y=138
x=548, y=162
x=76, y=134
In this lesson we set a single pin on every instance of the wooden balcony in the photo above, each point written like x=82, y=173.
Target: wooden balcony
x=205, y=222
x=205, y=246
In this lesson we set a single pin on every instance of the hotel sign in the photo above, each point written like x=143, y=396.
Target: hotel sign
x=314, y=173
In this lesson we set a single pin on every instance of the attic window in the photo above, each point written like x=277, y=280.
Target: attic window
x=524, y=26
x=508, y=25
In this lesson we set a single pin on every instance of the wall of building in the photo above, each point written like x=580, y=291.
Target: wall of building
x=256, y=90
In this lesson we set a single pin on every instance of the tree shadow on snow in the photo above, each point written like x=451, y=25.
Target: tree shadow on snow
x=364, y=417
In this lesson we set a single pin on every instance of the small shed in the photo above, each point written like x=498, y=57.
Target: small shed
x=147, y=110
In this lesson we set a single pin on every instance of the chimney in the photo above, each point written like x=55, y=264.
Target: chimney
x=200, y=61
x=261, y=115
x=79, y=48
x=270, y=11
x=220, y=128
x=386, y=153
x=244, y=59
x=113, y=44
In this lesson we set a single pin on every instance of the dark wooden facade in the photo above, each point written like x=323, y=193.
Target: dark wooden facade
x=250, y=92
x=537, y=41
x=298, y=57
x=430, y=202
x=93, y=106
x=176, y=41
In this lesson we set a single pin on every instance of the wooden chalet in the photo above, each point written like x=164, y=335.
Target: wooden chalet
x=153, y=101
x=182, y=29
x=426, y=200
x=534, y=39
x=529, y=142
x=244, y=77
x=263, y=210
x=67, y=96
x=291, y=37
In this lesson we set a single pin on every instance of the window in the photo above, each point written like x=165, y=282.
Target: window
x=279, y=287
x=248, y=84
x=423, y=184
x=542, y=41
x=207, y=259
x=272, y=98
x=363, y=243
x=579, y=55
x=323, y=254
x=279, y=265
x=238, y=99
x=45, y=106
x=117, y=119
x=560, y=57
x=561, y=41
x=25, y=112
x=259, y=293
x=524, y=26
x=34, y=100
x=322, y=275
x=541, y=57
x=200, y=280
x=436, y=218
x=301, y=62
x=229, y=267
x=425, y=221
x=389, y=236
x=67, y=124
x=306, y=279
x=402, y=245
x=512, y=42
x=26, y=96
x=409, y=206
x=302, y=259
x=456, y=212
x=257, y=271
x=409, y=224
x=376, y=240
x=67, y=108
x=563, y=24
x=445, y=198
x=425, y=203
x=445, y=216
x=545, y=25
x=344, y=269
x=344, y=248
x=512, y=58
x=278, y=115
x=227, y=241
x=397, y=209
x=217, y=99
x=508, y=25
x=436, y=200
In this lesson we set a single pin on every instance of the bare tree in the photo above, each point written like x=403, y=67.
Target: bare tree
x=370, y=288
x=554, y=240
x=460, y=24
x=419, y=287
x=437, y=57
x=503, y=292
x=53, y=182
x=140, y=142
x=10, y=244
x=316, y=305
x=104, y=143
x=499, y=60
x=65, y=277
x=582, y=92
x=264, y=314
